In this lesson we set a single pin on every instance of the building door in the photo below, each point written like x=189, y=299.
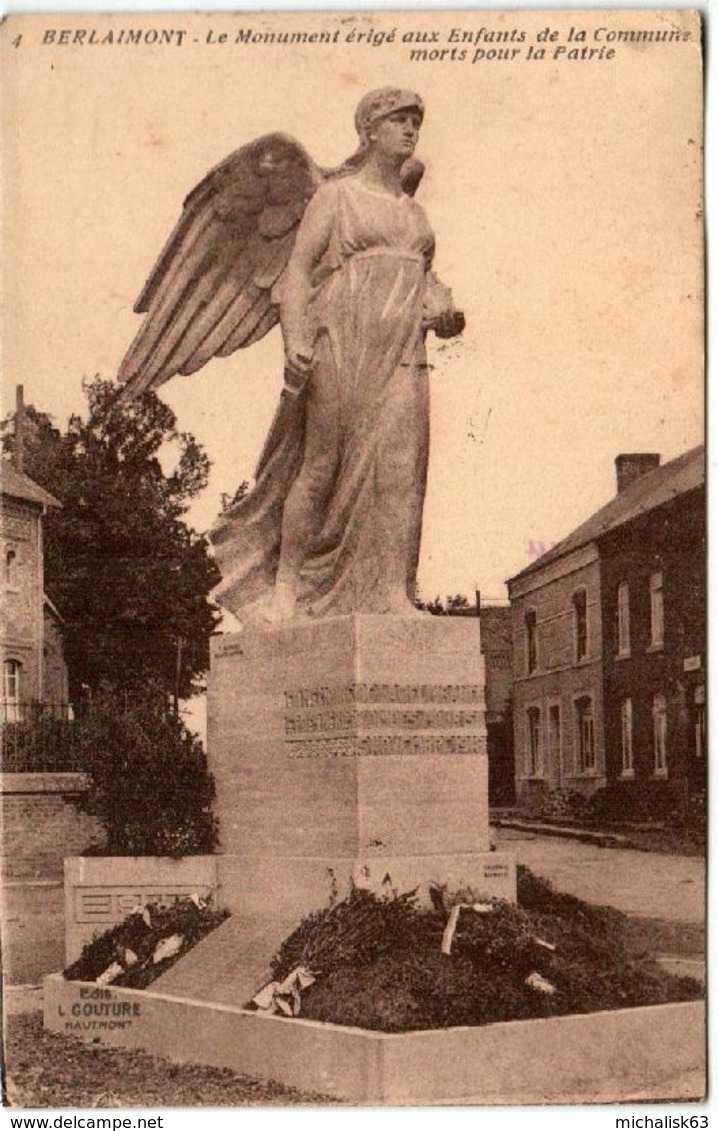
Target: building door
x=698, y=761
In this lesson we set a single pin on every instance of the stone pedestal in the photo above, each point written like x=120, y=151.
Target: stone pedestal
x=354, y=745
x=344, y=749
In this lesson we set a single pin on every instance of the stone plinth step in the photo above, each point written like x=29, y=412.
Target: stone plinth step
x=230, y=964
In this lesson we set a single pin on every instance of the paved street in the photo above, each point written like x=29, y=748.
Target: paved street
x=640, y=883
x=33, y=929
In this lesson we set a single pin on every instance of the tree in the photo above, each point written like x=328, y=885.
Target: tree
x=437, y=607
x=129, y=577
x=459, y=601
x=147, y=776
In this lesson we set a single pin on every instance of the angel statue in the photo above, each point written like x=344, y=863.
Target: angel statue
x=341, y=259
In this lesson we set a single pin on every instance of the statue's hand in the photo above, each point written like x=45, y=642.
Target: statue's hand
x=450, y=324
x=297, y=365
x=439, y=313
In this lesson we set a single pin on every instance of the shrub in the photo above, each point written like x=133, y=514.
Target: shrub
x=359, y=930
x=648, y=803
x=558, y=804
x=148, y=778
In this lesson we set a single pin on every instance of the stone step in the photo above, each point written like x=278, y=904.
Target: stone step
x=230, y=964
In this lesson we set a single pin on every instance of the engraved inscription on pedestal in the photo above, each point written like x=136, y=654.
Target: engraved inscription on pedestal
x=386, y=744
x=357, y=719
x=333, y=721
x=351, y=693
x=330, y=738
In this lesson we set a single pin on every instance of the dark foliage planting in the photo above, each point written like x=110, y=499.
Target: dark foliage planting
x=378, y=961
x=132, y=943
x=615, y=806
x=129, y=577
x=148, y=780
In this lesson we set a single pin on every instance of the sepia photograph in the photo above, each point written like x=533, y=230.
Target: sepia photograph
x=353, y=718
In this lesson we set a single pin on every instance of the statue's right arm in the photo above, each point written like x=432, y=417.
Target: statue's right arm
x=311, y=243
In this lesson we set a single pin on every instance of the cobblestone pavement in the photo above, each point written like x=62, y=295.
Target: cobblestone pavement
x=648, y=884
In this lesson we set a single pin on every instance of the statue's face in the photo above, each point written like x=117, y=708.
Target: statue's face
x=397, y=134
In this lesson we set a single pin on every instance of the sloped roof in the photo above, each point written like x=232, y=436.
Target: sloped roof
x=17, y=485
x=680, y=475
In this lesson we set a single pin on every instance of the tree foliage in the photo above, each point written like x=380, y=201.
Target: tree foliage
x=437, y=607
x=148, y=781
x=128, y=575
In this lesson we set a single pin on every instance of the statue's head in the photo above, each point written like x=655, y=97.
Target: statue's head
x=378, y=104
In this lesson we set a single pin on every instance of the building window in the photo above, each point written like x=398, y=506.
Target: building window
x=699, y=720
x=657, y=610
x=12, y=687
x=627, y=737
x=624, y=620
x=580, y=624
x=585, y=738
x=554, y=737
x=531, y=641
x=11, y=566
x=533, y=732
x=660, y=734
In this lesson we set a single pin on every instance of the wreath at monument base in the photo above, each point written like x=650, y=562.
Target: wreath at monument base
x=145, y=944
x=386, y=963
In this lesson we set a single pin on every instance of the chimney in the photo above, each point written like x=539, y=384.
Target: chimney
x=633, y=466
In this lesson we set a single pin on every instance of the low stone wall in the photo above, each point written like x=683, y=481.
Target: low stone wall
x=102, y=890
x=655, y=1052
x=42, y=824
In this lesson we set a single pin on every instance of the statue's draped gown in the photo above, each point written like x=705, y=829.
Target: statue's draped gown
x=370, y=376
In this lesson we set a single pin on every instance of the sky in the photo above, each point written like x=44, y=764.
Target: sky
x=566, y=202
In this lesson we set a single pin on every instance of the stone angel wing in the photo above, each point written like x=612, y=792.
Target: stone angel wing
x=210, y=292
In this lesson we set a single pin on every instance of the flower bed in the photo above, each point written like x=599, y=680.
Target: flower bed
x=145, y=944
x=377, y=962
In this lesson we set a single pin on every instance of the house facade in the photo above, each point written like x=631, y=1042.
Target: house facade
x=653, y=572
x=496, y=648
x=608, y=641
x=497, y=652
x=557, y=673
x=31, y=634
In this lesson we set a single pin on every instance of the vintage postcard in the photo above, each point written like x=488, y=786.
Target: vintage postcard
x=353, y=547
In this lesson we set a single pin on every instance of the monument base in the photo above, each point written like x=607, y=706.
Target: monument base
x=267, y=904
x=350, y=737
x=345, y=750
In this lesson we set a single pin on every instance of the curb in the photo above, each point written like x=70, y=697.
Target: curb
x=588, y=836
x=617, y=1054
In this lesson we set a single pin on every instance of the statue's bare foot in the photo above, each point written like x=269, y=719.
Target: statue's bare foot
x=283, y=605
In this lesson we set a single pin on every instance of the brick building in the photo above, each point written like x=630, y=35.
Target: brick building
x=654, y=614
x=41, y=822
x=496, y=648
x=31, y=633
x=608, y=641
